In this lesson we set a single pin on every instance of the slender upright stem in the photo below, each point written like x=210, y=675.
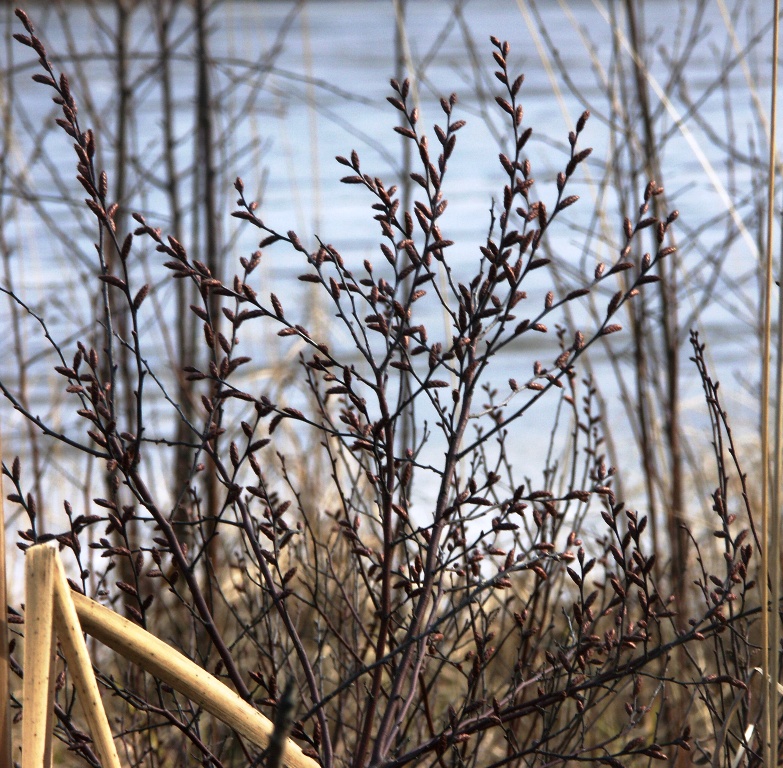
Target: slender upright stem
x=770, y=569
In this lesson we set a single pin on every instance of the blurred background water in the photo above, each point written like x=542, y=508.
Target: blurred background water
x=294, y=84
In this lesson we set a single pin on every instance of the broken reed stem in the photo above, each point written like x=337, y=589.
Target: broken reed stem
x=51, y=604
x=770, y=568
x=169, y=665
x=69, y=632
x=39, y=678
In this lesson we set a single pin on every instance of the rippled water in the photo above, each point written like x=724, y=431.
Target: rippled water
x=294, y=88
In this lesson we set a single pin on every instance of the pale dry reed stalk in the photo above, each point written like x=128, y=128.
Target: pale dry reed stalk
x=772, y=493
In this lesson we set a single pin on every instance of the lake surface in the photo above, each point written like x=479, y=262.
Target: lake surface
x=295, y=85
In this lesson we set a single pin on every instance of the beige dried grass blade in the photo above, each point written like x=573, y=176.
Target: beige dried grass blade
x=69, y=632
x=38, y=686
x=169, y=665
x=5, y=662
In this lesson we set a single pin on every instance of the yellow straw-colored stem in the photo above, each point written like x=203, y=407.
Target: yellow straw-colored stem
x=69, y=632
x=38, y=687
x=167, y=664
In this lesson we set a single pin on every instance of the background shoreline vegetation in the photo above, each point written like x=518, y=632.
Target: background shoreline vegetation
x=447, y=498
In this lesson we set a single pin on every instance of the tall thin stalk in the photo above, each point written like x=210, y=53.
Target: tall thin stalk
x=770, y=570
x=185, y=333
x=206, y=175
